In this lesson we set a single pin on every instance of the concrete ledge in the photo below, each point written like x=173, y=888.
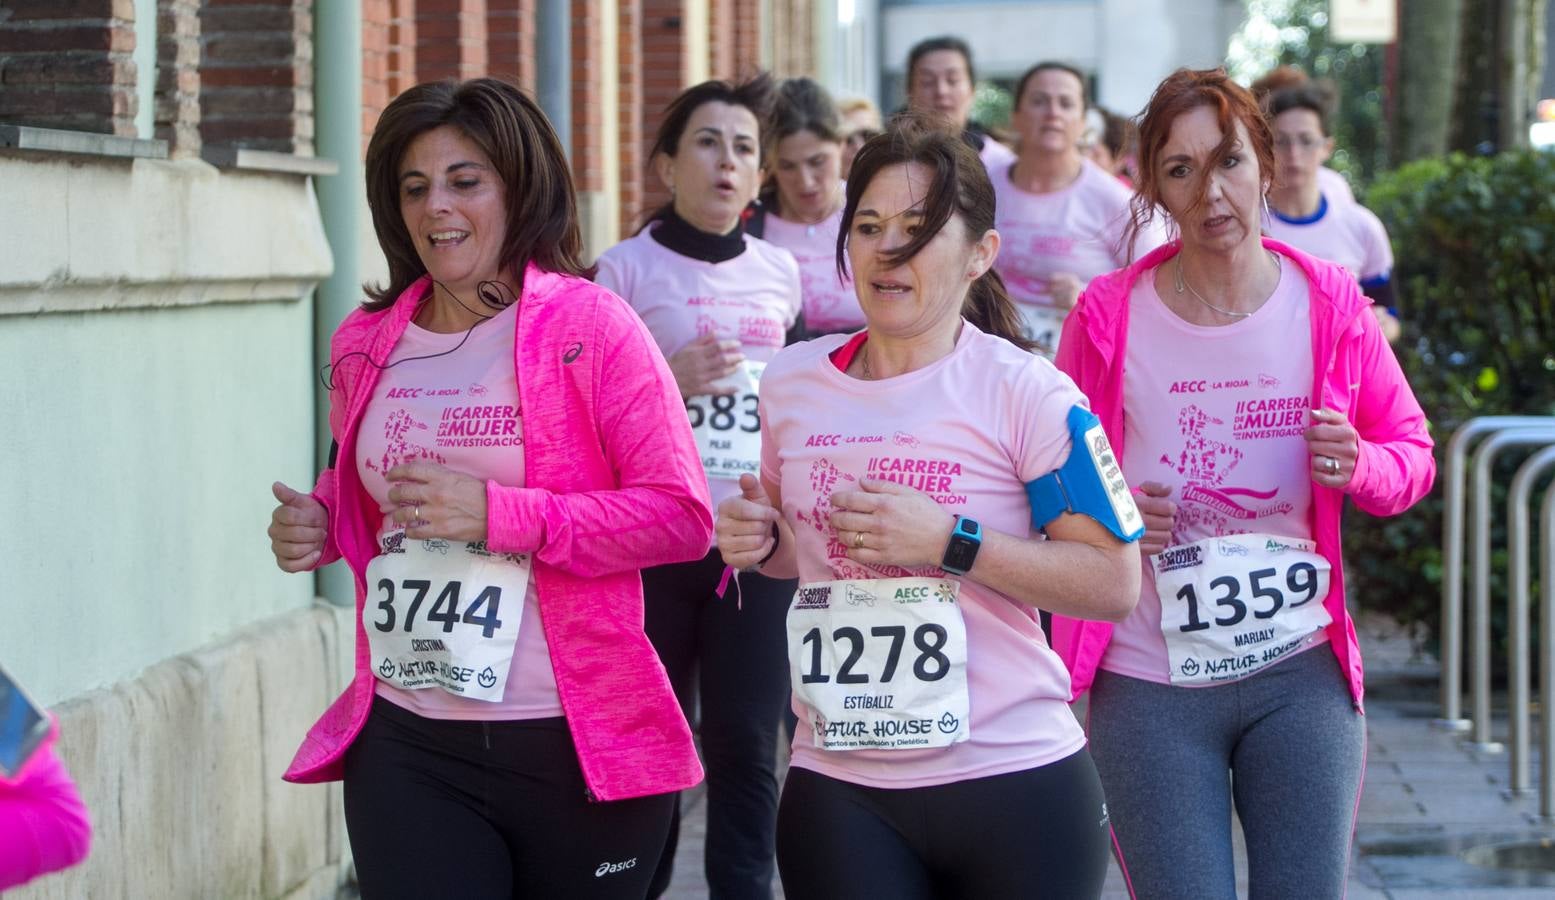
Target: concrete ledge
x=93, y=233
x=268, y=161
x=87, y=143
x=181, y=768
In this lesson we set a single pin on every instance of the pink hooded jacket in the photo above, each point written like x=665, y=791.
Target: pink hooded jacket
x=44, y=826
x=1355, y=374
x=613, y=483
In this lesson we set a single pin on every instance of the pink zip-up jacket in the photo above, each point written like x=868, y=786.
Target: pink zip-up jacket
x=44, y=826
x=613, y=484
x=1355, y=373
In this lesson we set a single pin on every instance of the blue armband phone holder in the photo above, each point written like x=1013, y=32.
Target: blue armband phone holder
x=1090, y=483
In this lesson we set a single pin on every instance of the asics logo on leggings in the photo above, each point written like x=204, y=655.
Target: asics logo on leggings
x=610, y=868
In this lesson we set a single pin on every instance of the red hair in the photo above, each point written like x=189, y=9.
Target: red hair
x=1183, y=91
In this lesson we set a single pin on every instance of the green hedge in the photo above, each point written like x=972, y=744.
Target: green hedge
x=1475, y=276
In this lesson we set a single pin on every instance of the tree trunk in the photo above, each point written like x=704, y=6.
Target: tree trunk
x=1429, y=38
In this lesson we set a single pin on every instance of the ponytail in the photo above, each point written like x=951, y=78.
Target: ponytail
x=989, y=307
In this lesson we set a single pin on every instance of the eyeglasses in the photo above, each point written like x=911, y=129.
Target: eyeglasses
x=1304, y=143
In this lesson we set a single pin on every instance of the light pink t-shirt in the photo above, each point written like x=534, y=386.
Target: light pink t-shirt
x=752, y=298
x=1346, y=233
x=460, y=410
x=1080, y=229
x=1334, y=185
x=1216, y=413
x=829, y=301
x=969, y=430
x=995, y=155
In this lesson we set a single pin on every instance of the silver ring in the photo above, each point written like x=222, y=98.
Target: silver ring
x=1332, y=465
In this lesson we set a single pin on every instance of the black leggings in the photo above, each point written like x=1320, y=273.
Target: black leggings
x=1038, y=833
x=440, y=808
x=727, y=657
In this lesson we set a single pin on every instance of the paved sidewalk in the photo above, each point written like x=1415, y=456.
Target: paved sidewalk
x=1426, y=800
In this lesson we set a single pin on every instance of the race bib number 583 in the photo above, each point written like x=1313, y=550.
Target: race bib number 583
x=727, y=427
x=1233, y=605
x=880, y=663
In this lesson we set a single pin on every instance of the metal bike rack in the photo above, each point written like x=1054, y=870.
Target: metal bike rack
x=1518, y=580
x=1452, y=557
x=1479, y=564
x=1547, y=651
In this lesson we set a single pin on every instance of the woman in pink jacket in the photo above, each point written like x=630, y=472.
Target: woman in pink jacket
x=1248, y=391
x=44, y=826
x=511, y=452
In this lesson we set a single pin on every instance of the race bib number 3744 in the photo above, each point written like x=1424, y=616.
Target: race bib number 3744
x=444, y=614
x=880, y=663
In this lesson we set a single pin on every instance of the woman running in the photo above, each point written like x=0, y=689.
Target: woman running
x=1302, y=215
x=941, y=81
x=1248, y=392
x=720, y=304
x=801, y=206
x=906, y=471
x=1064, y=220
x=510, y=456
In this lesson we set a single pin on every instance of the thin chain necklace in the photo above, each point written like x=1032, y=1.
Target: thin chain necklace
x=863, y=356
x=1229, y=313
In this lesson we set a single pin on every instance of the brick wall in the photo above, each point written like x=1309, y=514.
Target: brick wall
x=177, y=114
x=256, y=75
x=793, y=38
x=630, y=112
x=663, y=48
x=377, y=16
x=510, y=41
x=721, y=38
x=450, y=39
x=587, y=116
x=747, y=35
x=66, y=64
x=402, y=46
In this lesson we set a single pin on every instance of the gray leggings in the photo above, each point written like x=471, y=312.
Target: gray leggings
x=1294, y=748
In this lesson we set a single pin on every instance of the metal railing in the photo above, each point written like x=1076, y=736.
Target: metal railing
x=1518, y=581
x=1547, y=651
x=1479, y=566
x=1452, y=559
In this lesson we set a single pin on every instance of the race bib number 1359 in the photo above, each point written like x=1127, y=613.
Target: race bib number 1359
x=1233, y=605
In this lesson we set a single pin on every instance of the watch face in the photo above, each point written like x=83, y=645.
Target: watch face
x=960, y=554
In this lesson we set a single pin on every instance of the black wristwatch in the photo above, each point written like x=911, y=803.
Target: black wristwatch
x=965, y=540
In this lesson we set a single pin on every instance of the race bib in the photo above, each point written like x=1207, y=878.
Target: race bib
x=1044, y=325
x=727, y=427
x=1233, y=605
x=444, y=614
x=880, y=664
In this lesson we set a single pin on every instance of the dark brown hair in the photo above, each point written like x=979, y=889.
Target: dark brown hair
x=542, y=212
x=1183, y=91
x=754, y=93
x=801, y=105
x=1050, y=66
x=1306, y=96
x=960, y=186
x=934, y=45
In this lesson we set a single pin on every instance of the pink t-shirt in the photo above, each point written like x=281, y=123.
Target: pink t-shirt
x=969, y=430
x=1216, y=413
x=829, y=301
x=1080, y=229
x=752, y=298
x=460, y=410
x=995, y=155
x=1346, y=233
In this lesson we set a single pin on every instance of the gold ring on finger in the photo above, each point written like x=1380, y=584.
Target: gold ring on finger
x=417, y=513
x=858, y=540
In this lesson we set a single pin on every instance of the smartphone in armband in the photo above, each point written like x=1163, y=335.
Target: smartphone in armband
x=24, y=726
